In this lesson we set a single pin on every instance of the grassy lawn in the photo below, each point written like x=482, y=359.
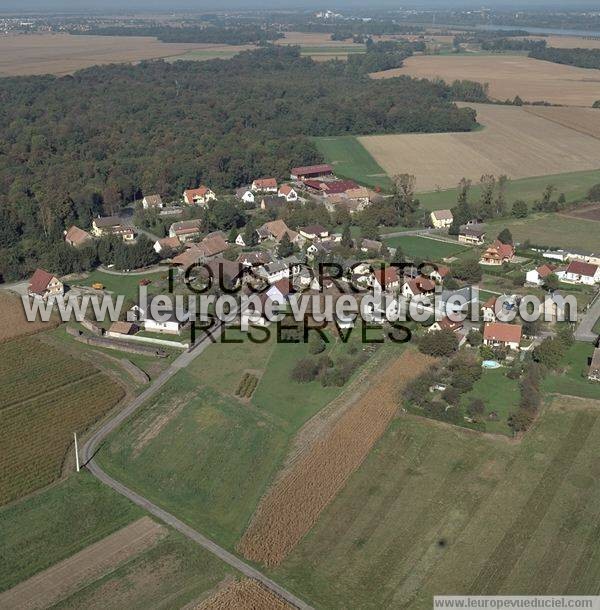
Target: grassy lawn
x=434, y=508
x=126, y=285
x=551, y=230
x=575, y=186
x=350, y=159
x=208, y=461
x=573, y=381
x=52, y=525
x=425, y=248
x=289, y=400
x=207, y=456
x=500, y=394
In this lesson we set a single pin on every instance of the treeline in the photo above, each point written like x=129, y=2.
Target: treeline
x=80, y=145
x=582, y=58
x=379, y=56
x=236, y=35
x=513, y=44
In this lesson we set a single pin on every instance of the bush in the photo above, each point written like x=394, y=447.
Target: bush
x=441, y=343
x=476, y=408
x=451, y=395
x=305, y=370
x=316, y=344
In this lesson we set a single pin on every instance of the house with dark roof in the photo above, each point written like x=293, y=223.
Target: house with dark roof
x=185, y=230
x=272, y=203
x=311, y=171
x=313, y=232
x=472, y=234
x=44, y=285
x=112, y=225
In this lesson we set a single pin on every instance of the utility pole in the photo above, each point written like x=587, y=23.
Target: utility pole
x=76, y=452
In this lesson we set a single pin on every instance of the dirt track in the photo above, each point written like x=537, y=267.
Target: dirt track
x=66, y=577
x=293, y=505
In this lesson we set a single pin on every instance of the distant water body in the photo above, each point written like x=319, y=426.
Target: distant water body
x=532, y=30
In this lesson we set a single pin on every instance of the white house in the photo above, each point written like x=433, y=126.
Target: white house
x=166, y=244
x=44, y=285
x=200, y=196
x=288, y=193
x=152, y=202
x=500, y=334
x=169, y=323
x=245, y=194
x=537, y=277
x=441, y=219
x=264, y=185
x=582, y=273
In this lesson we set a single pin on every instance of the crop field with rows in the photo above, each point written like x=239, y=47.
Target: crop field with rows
x=46, y=396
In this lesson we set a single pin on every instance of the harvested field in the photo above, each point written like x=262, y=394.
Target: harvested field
x=514, y=142
x=508, y=76
x=62, y=54
x=14, y=322
x=46, y=396
x=435, y=508
x=293, y=505
x=588, y=212
x=245, y=594
x=69, y=575
x=569, y=42
x=583, y=120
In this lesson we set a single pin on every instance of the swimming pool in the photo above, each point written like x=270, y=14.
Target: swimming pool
x=490, y=364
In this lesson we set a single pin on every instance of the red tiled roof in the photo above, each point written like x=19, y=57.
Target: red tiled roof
x=285, y=189
x=499, y=331
x=448, y=324
x=312, y=169
x=199, y=192
x=545, y=270
x=580, y=268
x=386, y=276
x=39, y=281
x=265, y=183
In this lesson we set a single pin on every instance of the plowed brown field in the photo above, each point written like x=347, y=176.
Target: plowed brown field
x=293, y=505
x=14, y=323
x=244, y=595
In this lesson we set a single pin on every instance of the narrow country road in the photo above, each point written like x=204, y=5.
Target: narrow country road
x=93, y=445
x=585, y=329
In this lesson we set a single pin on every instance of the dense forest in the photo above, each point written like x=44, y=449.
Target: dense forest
x=76, y=146
x=247, y=34
x=582, y=58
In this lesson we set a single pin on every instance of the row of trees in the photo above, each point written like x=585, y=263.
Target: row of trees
x=582, y=58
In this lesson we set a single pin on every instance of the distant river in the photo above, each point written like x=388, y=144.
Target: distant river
x=532, y=30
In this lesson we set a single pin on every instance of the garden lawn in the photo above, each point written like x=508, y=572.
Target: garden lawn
x=425, y=248
x=500, y=394
x=573, y=381
x=127, y=285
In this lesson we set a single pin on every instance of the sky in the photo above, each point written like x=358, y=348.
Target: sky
x=166, y=5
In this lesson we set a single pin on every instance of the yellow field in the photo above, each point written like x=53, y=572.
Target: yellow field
x=63, y=53
x=514, y=142
x=508, y=76
x=568, y=42
x=583, y=120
